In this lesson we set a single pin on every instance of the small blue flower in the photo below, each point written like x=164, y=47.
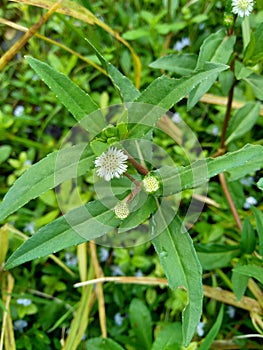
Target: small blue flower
x=200, y=329
x=71, y=259
x=103, y=254
x=116, y=270
x=215, y=130
x=27, y=162
x=249, y=202
x=180, y=44
x=19, y=325
x=247, y=181
x=231, y=311
x=19, y=111
x=24, y=301
x=138, y=273
x=118, y=319
x=29, y=227
x=176, y=118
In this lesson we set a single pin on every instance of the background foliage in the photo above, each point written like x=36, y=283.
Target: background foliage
x=132, y=51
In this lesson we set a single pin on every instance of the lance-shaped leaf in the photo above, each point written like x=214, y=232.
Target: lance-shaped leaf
x=243, y=121
x=237, y=164
x=124, y=86
x=181, y=266
x=82, y=224
x=49, y=172
x=162, y=94
x=165, y=92
x=77, y=226
x=78, y=102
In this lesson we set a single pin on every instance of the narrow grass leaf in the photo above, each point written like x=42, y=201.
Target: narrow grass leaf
x=259, y=224
x=206, y=344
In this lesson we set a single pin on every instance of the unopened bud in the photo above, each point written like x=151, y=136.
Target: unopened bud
x=151, y=184
x=122, y=210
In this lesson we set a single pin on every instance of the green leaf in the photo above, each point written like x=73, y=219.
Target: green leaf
x=182, y=268
x=102, y=344
x=214, y=256
x=165, y=92
x=260, y=184
x=248, y=238
x=77, y=226
x=169, y=337
x=124, y=86
x=135, y=34
x=200, y=90
x=5, y=152
x=242, y=71
x=141, y=322
x=182, y=64
x=251, y=271
x=73, y=98
x=256, y=83
x=49, y=172
x=237, y=164
x=259, y=223
x=243, y=121
x=254, y=50
x=140, y=212
x=216, y=48
x=206, y=344
x=239, y=282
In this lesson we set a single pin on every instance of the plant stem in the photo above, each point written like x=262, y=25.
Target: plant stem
x=100, y=294
x=137, y=165
x=230, y=200
x=228, y=114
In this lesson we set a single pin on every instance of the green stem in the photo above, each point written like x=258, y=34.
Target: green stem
x=224, y=277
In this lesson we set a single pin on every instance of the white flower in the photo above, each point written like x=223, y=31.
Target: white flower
x=150, y=184
x=122, y=210
x=242, y=7
x=111, y=163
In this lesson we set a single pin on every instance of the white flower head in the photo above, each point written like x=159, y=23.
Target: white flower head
x=122, y=210
x=151, y=184
x=111, y=163
x=242, y=7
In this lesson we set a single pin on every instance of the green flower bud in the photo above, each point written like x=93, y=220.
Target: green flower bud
x=122, y=210
x=151, y=184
